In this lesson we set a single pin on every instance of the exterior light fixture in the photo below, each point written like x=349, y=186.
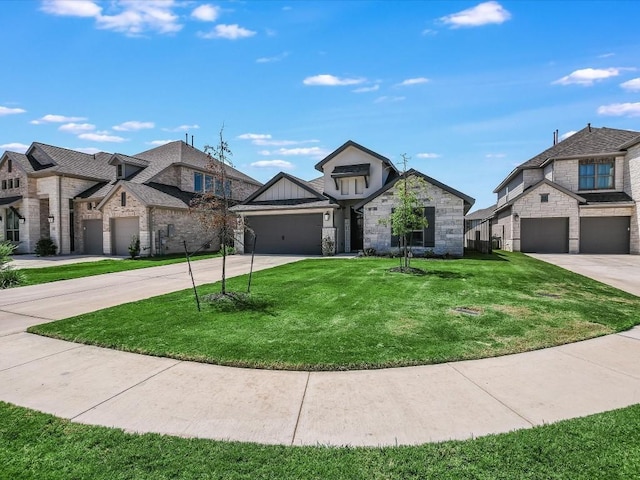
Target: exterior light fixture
x=21, y=220
x=51, y=218
x=327, y=216
x=516, y=216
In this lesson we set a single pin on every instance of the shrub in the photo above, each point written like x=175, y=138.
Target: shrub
x=134, y=247
x=370, y=252
x=8, y=276
x=45, y=247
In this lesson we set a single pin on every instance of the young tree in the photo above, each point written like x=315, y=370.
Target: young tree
x=407, y=215
x=212, y=206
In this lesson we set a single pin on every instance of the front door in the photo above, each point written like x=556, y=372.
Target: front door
x=357, y=233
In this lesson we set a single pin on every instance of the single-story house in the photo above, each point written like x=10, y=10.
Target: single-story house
x=96, y=203
x=346, y=207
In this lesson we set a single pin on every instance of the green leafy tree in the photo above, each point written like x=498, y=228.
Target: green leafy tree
x=407, y=215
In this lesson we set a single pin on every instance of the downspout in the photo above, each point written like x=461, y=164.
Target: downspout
x=150, y=227
x=59, y=222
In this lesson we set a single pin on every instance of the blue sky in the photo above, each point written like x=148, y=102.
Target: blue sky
x=466, y=89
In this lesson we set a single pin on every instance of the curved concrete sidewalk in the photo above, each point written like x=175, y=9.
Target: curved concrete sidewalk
x=379, y=407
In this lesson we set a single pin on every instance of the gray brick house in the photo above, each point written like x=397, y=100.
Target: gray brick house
x=357, y=189
x=95, y=203
x=581, y=195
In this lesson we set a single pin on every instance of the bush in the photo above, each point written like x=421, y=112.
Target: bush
x=328, y=247
x=45, y=247
x=370, y=252
x=134, y=247
x=8, y=276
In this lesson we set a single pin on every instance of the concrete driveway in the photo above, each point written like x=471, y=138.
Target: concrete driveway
x=620, y=271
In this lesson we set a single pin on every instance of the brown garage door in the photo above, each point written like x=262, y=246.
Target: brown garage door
x=605, y=234
x=298, y=234
x=92, y=230
x=122, y=230
x=544, y=235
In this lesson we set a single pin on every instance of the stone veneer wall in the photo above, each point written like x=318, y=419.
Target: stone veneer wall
x=133, y=208
x=82, y=213
x=566, y=173
x=449, y=219
x=632, y=187
x=185, y=227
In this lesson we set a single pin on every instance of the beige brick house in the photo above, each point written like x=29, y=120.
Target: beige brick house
x=345, y=205
x=96, y=203
x=579, y=196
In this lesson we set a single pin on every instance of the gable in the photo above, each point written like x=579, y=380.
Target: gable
x=283, y=189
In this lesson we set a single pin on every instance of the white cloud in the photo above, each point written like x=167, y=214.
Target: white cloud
x=264, y=152
x=206, y=13
x=101, y=137
x=89, y=150
x=308, y=151
x=138, y=17
x=14, y=147
x=386, y=99
x=567, y=134
x=482, y=14
x=10, y=111
x=273, y=164
x=276, y=58
x=71, y=8
x=373, y=88
x=229, y=32
x=587, y=76
x=413, y=81
x=495, y=155
x=133, y=126
x=56, y=119
x=428, y=31
x=632, y=85
x=159, y=142
x=254, y=136
x=325, y=80
x=620, y=109
x=182, y=128
x=428, y=155
x=76, y=128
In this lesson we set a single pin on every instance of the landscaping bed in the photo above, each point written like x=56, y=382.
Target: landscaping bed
x=338, y=314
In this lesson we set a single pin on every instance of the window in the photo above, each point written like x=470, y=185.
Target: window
x=208, y=183
x=218, y=190
x=596, y=174
x=119, y=171
x=544, y=198
x=197, y=182
x=359, y=183
x=425, y=237
x=227, y=187
x=10, y=183
x=4, y=184
x=13, y=226
x=89, y=206
x=123, y=199
x=344, y=186
x=9, y=165
x=16, y=183
x=71, y=204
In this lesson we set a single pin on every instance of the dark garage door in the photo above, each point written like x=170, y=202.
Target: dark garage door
x=297, y=234
x=544, y=235
x=123, y=229
x=92, y=237
x=604, y=234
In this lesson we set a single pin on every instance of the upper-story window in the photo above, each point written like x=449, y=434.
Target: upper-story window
x=198, y=182
x=9, y=165
x=123, y=199
x=344, y=186
x=596, y=174
x=119, y=170
x=227, y=187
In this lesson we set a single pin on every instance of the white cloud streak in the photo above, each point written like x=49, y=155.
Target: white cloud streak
x=157, y=143
x=182, y=128
x=71, y=8
x=632, y=85
x=326, y=80
x=566, y=135
x=133, y=126
x=254, y=136
x=228, y=32
x=620, y=109
x=373, y=88
x=206, y=13
x=77, y=128
x=483, y=14
x=101, y=137
x=14, y=147
x=10, y=111
x=276, y=58
x=587, y=76
x=428, y=155
x=387, y=99
x=283, y=164
x=413, y=81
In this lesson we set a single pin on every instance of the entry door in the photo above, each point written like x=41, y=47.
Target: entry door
x=347, y=235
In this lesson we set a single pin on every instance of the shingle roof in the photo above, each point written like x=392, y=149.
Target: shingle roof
x=607, y=197
x=481, y=214
x=351, y=143
x=75, y=163
x=302, y=183
x=317, y=184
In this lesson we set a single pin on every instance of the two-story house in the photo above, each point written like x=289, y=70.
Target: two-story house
x=96, y=203
x=579, y=196
x=346, y=205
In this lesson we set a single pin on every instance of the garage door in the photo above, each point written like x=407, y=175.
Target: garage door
x=605, y=234
x=122, y=229
x=297, y=234
x=544, y=235
x=92, y=237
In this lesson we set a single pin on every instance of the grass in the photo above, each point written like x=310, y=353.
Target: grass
x=39, y=446
x=332, y=314
x=36, y=276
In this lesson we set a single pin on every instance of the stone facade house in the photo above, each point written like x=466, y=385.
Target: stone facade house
x=581, y=195
x=96, y=203
x=344, y=207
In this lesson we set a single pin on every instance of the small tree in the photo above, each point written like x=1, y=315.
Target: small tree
x=407, y=215
x=212, y=206
x=8, y=276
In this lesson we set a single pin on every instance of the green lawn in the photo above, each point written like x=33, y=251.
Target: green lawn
x=36, y=276
x=38, y=446
x=325, y=314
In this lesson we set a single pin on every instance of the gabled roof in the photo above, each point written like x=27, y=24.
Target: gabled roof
x=481, y=214
x=545, y=181
x=468, y=201
x=48, y=158
x=588, y=141
x=351, y=143
x=118, y=158
x=299, y=182
x=152, y=195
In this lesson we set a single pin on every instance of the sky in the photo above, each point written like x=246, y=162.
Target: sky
x=467, y=90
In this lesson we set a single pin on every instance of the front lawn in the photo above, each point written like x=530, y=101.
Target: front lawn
x=324, y=314
x=38, y=446
x=36, y=276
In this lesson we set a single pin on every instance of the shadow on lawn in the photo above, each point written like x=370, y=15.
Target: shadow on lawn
x=238, y=302
x=491, y=257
